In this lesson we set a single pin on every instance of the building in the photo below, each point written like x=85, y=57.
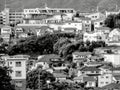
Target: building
x=95, y=16
x=87, y=24
x=111, y=13
x=18, y=65
x=11, y=17
x=91, y=71
x=93, y=36
x=79, y=57
x=105, y=79
x=98, y=23
x=113, y=58
x=6, y=32
x=90, y=81
x=114, y=35
x=43, y=15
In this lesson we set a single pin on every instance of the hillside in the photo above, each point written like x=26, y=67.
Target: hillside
x=82, y=5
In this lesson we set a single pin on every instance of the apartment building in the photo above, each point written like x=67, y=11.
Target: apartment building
x=9, y=16
x=105, y=79
x=18, y=66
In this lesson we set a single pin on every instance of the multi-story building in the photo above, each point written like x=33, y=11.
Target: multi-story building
x=39, y=15
x=11, y=17
x=95, y=16
x=113, y=58
x=105, y=79
x=17, y=64
x=111, y=12
x=93, y=36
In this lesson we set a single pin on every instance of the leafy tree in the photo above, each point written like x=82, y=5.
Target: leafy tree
x=42, y=45
x=60, y=43
x=110, y=21
x=5, y=79
x=37, y=78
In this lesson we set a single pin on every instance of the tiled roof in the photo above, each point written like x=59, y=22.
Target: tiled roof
x=91, y=78
x=59, y=75
x=117, y=77
x=82, y=53
x=112, y=85
x=117, y=68
x=70, y=28
x=102, y=28
x=89, y=69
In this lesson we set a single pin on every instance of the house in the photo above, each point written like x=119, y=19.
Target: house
x=95, y=16
x=79, y=57
x=51, y=60
x=17, y=64
x=105, y=79
x=105, y=30
x=93, y=64
x=114, y=35
x=93, y=36
x=91, y=71
x=73, y=24
x=79, y=78
x=115, y=70
x=43, y=30
x=98, y=23
x=105, y=69
x=59, y=75
x=112, y=12
x=90, y=81
x=87, y=24
x=114, y=58
x=5, y=33
x=70, y=30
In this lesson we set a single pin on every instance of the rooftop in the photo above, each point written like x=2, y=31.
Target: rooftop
x=82, y=53
x=91, y=78
x=112, y=85
x=89, y=69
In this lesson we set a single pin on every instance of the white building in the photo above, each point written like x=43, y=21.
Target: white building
x=18, y=66
x=113, y=58
x=93, y=36
x=95, y=16
x=111, y=12
x=105, y=79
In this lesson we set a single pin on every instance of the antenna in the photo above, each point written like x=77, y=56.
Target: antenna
x=5, y=5
x=97, y=9
x=116, y=7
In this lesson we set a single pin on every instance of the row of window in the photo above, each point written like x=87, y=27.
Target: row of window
x=104, y=82
x=17, y=64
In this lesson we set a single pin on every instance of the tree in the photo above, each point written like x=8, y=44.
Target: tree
x=60, y=43
x=42, y=45
x=5, y=79
x=110, y=21
x=37, y=78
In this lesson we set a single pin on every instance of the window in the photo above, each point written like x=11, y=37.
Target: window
x=106, y=82
x=18, y=74
x=102, y=76
x=90, y=83
x=10, y=62
x=18, y=64
x=101, y=23
x=107, y=77
x=18, y=83
x=102, y=82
